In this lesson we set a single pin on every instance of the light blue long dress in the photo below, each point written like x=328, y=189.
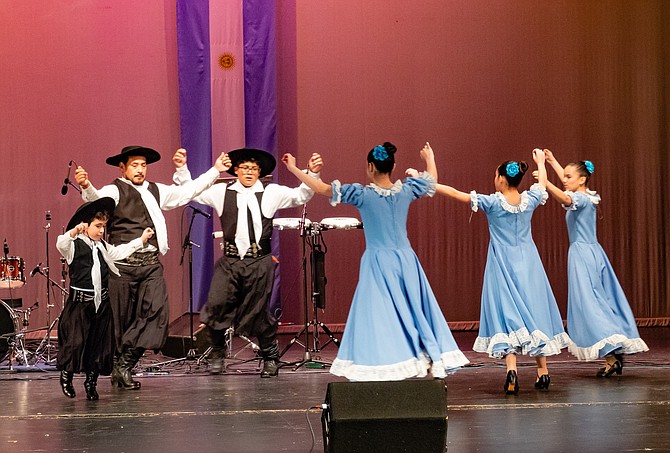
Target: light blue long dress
x=519, y=314
x=395, y=329
x=600, y=321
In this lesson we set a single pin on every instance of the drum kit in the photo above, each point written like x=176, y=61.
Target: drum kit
x=14, y=320
x=311, y=234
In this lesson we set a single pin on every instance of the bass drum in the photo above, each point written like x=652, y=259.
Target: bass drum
x=9, y=327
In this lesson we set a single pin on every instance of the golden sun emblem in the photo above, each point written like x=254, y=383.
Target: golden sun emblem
x=226, y=61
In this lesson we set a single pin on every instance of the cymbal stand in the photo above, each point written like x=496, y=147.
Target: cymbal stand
x=44, y=349
x=49, y=359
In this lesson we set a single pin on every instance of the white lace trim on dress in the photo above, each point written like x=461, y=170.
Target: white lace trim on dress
x=432, y=183
x=590, y=194
x=336, y=198
x=543, y=190
x=474, y=204
x=514, y=209
x=626, y=346
x=397, y=187
x=414, y=367
x=522, y=343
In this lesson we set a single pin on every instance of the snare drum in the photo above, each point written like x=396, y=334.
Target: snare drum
x=289, y=223
x=340, y=223
x=11, y=272
x=9, y=326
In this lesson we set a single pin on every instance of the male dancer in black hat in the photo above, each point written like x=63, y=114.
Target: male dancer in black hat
x=242, y=283
x=139, y=295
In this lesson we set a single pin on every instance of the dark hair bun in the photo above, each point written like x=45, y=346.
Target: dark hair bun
x=390, y=148
x=523, y=166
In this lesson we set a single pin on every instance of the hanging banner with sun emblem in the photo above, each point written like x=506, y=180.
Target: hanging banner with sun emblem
x=227, y=94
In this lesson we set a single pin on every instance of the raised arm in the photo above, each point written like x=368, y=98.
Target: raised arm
x=551, y=160
x=428, y=156
x=538, y=157
x=316, y=185
x=452, y=193
x=558, y=194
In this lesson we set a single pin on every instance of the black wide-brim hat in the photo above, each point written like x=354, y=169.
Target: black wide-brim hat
x=87, y=211
x=266, y=161
x=150, y=154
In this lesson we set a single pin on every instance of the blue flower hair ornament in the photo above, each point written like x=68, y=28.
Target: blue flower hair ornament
x=589, y=166
x=379, y=153
x=512, y=169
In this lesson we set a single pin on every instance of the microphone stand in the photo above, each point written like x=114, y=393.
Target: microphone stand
x=187, y=245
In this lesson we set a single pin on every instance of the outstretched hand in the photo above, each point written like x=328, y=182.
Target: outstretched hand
x=315, y=163
x=289, y=160
x=412, y=173
x=179, y=158
x=549, y=156
x=427, y=152
x=81, y=176
x=223, y=163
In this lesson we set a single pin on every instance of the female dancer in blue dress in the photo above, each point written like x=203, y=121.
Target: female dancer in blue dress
x=519, y=314
x=395, y=328
x=600, y=321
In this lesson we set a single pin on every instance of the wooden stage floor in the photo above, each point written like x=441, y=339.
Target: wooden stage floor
x=187, y=410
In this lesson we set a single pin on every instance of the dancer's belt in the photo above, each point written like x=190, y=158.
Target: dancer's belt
x=141, y=259
x=85, y=296
x=255, y=250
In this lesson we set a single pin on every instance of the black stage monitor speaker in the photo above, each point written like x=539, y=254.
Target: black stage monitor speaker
x=178, y=344
x=401, y=416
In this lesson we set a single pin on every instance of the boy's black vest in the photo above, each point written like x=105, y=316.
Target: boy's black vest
x=82, y=263
x=229, y=222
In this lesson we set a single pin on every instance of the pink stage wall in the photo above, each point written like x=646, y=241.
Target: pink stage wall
x=483, y=81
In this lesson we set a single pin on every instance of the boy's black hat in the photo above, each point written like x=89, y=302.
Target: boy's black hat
x=266, y=161
x=87, y=211
x=150, y=154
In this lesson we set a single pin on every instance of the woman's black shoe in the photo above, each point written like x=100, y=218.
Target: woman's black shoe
x=66, y=384
x=616, y=367
x=511, y=383
x=542, y=382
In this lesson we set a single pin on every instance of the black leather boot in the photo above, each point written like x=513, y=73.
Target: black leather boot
x=115, y=370
x=90, y=385
x=122, y=374
x=270, y=355
x=216, y=359
x=66, y=383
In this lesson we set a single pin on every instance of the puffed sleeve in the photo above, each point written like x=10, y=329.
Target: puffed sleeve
x=478, y=200
x=579, y=200
x=346, y=193
x=537, y=195
x=423, y=185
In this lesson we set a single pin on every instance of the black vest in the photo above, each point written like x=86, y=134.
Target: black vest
x=131, y=216
x=82, y=263
x=229, y=220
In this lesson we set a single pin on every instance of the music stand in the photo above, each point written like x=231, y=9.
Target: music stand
x=312, y=231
